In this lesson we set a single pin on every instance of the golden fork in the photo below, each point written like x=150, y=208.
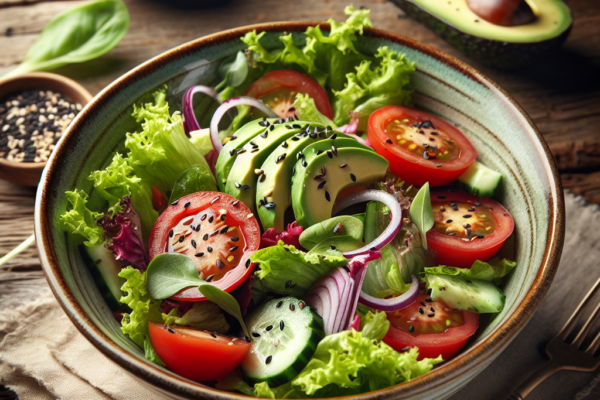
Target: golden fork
x=565, y=355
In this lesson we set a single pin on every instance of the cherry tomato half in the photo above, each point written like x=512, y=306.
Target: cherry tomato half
x=195, y=354
x=419, y=146
x=217, y=231
x=437, y=330
x=467, y=228
x=278, y=90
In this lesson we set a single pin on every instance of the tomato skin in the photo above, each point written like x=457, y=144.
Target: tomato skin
x=159, y=201
x=196, y=358
x=432, y=345
x=294, y=81
x=455, y=252
x=198, y=202
x=410, y=167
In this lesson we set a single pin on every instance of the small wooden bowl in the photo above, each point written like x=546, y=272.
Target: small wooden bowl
x=28, y=173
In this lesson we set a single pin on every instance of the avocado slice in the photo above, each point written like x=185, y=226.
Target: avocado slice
x=237, y=141
x=503, y=47
x=321, y=177
x=242, y=179
x=273, y=192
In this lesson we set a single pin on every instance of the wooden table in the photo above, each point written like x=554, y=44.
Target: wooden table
x=561, y=93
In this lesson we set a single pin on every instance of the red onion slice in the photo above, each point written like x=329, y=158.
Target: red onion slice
x=190, y=123
x=392, y=229
x=226, y=106
x=395, y=303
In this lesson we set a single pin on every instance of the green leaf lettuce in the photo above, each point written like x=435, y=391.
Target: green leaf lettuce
x=491, y=271
x=203, y=315
x=79, y=220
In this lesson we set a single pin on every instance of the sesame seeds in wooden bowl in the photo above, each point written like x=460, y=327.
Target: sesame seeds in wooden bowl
x=35, y=108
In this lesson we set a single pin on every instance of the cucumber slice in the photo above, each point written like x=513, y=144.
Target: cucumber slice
x=105, y=271
x=480, y=180
x=285, y=334
x=462, y=294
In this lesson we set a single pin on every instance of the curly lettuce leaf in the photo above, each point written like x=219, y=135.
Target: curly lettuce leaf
x=374, y=325
x=348, y=363
x=143, y=309
x=203, y=315
x=306, y=110
x=161, y=151
x=491, y=271
x=282, y=263
x=79, y=220
x=117, y=181
x=375, y=84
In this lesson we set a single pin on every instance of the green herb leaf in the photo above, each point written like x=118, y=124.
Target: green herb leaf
x=421, y=212
x=169, y=273
x=315, y=234
x=234, y=73
x=80, y=34
x=226, y=301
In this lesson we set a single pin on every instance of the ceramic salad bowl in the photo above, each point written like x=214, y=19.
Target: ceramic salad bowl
x=504, y=136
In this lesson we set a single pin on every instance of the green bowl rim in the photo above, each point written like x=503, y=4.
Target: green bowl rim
x=419, y=386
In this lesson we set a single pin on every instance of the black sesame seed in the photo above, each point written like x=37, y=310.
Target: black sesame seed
x=322, y=185
x=193, y=243
x=213, y=335
x=467, y=216
x=268, y=360
x=423, y=304
x=210, y=278
x=343, y=165
x=452, y=234
x=442, y=197
x=421, y=311
x=287, y=284
x=472, y=209
x=449, y=221
x=224, y=229
x=272, y=127
x=327, y=196
x=209, y=249
x=280, y=158
x=205, y=237
x=304, y=163
x=255, y=334
x=175, y=203
x=214, y=233
x=334, y=150
x=235, y=239
x=454, y=206
x=181, y=239
x=353, y=177
x=279, y=304
x=211, y=219
x=477, y=204
x=264, y=134
x=232, y=138
x=292, y=307
x=232, y=152
x=270, y=206
x=284, y=145
x=281, y=325
x=262, y=178
x=388, y=140
x=323, y=170
x=199, y=254
x=404, y=349
x=220, y=264
x=301, y=305
x=247, y=263
x=268, y=328
x=170, y=330
x=332, y=247
x=186, y=205
x=235, y=203
x=431, y=315
x=318, y=178
x=203, y=217
x=429, y=300
x=234, y=248
x=480, y=236
x=171, y=233
x=411, y=328
x=241, y=151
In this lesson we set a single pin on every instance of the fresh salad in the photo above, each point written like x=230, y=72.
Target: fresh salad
x=318, y=237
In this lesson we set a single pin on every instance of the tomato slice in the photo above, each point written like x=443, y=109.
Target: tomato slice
x=195, y=354
x=467, y=228
x=419, y=146
x=217, y=231
x=432, y=326
x=278, y=90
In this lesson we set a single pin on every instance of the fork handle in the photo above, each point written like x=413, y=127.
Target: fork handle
x=537, y=377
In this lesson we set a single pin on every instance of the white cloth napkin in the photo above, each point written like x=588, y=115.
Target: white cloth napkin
x=43, y=356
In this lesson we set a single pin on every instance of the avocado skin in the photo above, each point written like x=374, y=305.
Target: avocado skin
x=492, y=53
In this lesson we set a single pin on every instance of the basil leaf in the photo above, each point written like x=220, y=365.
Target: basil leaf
x=226, y=301
x=234, y=73
x=168, y=273
x=80, y=34
x=421, y=212
x=315, y=234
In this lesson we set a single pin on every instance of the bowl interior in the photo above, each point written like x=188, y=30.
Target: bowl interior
x=505, y=140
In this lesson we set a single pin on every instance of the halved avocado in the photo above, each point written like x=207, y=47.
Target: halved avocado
x=273, y=192
x=503, y=47
x=316, y=186
x=237, y=141
x=242, y=179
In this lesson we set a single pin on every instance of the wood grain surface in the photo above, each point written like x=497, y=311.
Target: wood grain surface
x=560, y=93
